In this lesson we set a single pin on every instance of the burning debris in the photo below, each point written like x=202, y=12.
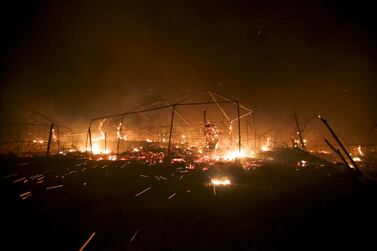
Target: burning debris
x=224, y=181
x=108, y=139
x=194, y=138
x=267, y=146
x=211, y=133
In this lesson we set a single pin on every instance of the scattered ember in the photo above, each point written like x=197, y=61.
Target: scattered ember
x=54, y=187
x=86, y=243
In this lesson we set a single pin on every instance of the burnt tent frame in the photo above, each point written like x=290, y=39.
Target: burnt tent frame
x=34, y=121
x=174, y=113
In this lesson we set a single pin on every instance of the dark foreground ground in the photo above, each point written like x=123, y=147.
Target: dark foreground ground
x=270, y=208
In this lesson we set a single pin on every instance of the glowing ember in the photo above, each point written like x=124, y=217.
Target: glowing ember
x=220, y=182
x=356, y=159
x=302, y=163
x=177, y=160
x=112, y=157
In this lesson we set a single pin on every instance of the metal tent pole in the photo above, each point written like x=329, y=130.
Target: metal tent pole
x=171, y=129
x=49, y=139
x=239, y=127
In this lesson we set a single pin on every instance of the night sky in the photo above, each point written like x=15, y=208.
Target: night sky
x=74, y=60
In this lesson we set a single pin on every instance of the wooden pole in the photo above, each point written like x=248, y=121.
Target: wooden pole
x=171, y=129
x=86, y=141
x=300, y=133
x=337, y=152
x=49, y=139
x=90, y=142
x=120, y=133
x=118, y=140
x=340, y=144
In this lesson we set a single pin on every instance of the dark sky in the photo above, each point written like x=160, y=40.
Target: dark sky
x=74, y=60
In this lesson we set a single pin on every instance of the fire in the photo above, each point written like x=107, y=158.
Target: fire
x=54, y=134
x=232, y=155
x=119, y=132
x=102, y=133
x=183, y=139
x=360, y=151
x=100, y=129
x=112, y=157
x=266, y=147
x=220, y=181
x=359, y=154
x=96, y=150
x=212, y=134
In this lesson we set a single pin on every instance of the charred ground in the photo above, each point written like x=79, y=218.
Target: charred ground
x=269, y=207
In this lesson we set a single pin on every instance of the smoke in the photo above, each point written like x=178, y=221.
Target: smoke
x=77, y=60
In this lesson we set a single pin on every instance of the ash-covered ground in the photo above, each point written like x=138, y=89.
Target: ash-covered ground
x=58, y=203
